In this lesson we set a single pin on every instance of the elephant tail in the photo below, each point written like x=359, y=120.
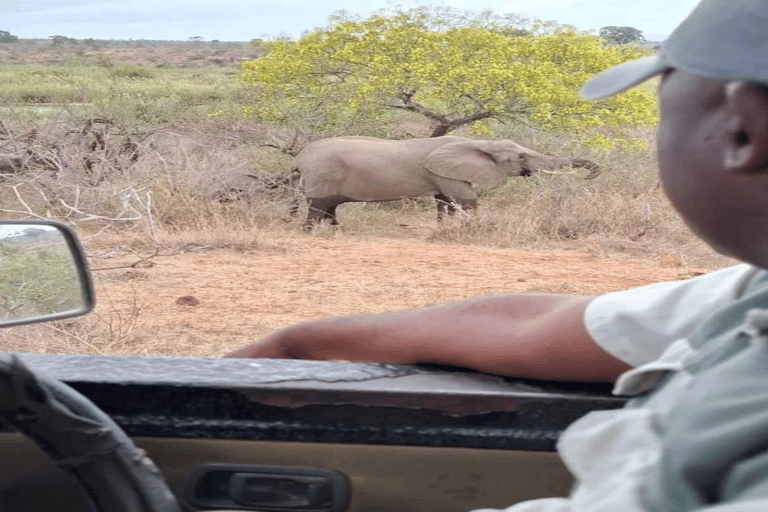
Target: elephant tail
x=296, y=184
x=294, y=179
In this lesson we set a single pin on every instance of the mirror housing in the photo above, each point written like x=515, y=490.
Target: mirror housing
x=43, y=273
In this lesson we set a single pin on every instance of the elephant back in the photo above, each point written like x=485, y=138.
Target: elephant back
x=474, y=161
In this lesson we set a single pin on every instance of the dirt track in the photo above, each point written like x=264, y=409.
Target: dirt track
x=243, y=295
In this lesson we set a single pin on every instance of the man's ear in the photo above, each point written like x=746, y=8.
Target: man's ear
x=746, y=144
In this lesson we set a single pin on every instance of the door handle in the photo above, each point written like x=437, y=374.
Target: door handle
x=267, y=488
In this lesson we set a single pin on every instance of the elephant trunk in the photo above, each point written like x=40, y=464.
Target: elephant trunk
x=593, y=168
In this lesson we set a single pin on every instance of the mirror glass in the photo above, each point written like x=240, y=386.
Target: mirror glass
x=42, y=276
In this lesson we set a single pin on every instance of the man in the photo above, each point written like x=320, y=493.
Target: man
x=693, y=354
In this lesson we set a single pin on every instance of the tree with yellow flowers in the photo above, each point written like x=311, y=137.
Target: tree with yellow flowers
x=454, y=68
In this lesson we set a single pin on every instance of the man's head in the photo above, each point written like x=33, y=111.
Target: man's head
x=713, y=131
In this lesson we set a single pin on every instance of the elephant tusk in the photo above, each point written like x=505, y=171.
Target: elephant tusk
x=544, y=171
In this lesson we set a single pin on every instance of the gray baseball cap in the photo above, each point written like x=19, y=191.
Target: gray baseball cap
x=726, y=39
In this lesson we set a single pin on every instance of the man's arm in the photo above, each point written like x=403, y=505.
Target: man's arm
x=538, y=336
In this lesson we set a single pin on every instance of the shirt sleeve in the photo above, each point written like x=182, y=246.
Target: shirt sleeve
x=637, y=325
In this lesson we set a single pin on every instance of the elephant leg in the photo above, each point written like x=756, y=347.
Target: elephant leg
x=323, y=208
x=454, y=194
x=445, y=206
x=330, y=214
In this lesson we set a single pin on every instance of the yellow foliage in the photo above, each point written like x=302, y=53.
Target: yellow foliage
x=427, y=62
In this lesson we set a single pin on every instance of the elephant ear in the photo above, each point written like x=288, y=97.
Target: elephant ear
x=471, y=160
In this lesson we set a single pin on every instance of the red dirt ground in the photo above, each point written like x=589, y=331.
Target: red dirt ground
x=241, y=295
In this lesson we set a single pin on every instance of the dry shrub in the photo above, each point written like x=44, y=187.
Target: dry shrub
x=96, y=333
x=45, y=338
x=157, y=180
x=107, y=330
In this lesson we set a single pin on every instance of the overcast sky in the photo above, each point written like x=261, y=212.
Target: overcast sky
x=243, y=20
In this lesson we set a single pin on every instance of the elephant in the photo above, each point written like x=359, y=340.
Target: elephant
x=362, y=169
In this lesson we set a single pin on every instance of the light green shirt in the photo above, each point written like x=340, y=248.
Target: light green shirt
x=694, y=437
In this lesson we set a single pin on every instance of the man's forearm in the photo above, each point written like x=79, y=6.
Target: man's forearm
x=536, y=336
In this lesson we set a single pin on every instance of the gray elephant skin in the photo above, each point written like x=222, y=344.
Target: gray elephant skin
x=361, y=169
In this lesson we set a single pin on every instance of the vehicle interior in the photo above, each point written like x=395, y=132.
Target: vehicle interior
x=114, y=433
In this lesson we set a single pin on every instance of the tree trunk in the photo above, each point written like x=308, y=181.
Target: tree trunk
x=442, y=129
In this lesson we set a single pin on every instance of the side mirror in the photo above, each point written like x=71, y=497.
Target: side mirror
x=43, y=273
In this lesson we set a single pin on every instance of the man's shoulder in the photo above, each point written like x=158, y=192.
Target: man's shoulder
x=637, y=325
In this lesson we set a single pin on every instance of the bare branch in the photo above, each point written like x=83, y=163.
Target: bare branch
x=21, y=200
x=90, y=216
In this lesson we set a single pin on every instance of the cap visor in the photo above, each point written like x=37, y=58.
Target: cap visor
x=622, y=77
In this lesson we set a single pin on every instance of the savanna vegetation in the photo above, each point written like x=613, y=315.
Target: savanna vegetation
x=154, y=147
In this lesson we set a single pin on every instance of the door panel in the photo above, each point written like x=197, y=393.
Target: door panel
x=386, y=478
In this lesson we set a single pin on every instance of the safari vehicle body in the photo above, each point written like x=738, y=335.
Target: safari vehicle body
x=279, y=435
